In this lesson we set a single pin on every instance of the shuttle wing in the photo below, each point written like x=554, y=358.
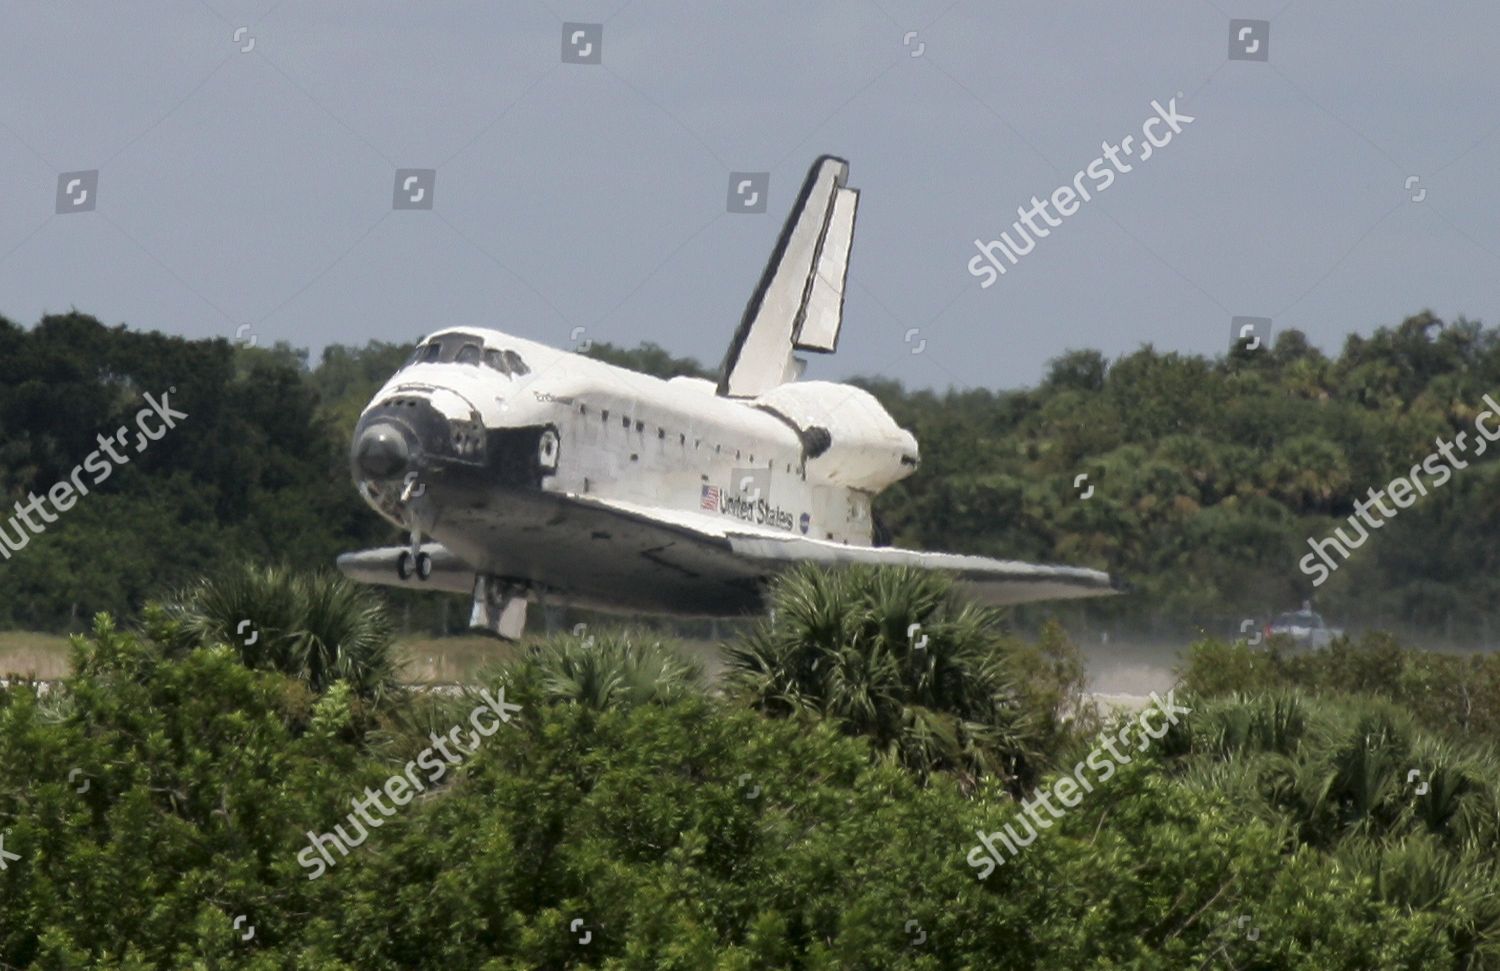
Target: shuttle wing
x=701, y=564
x=799, y=301
x=757, y=550
x=998, y=582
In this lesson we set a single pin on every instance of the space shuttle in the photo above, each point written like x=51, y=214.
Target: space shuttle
x=521, y=472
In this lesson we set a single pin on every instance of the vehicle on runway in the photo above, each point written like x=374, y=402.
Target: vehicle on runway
x=1304, y=628
x=521, y=471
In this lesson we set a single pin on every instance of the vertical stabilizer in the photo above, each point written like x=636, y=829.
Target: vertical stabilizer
x=800, y=298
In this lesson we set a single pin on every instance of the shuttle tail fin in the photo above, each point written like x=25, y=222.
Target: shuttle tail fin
x=799, y=302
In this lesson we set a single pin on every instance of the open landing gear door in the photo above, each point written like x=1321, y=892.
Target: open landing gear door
x=499, y=607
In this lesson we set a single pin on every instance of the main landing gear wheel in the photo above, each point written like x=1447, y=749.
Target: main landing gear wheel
x=408, y=565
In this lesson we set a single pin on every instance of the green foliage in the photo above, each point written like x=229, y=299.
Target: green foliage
x=613, y=669
x=254, y=471
x=677, y=830
x=1454, y=694
x=894, y=656
x=1210, y=475
x=317, y=627
x=1415, y=813
x=191, y=783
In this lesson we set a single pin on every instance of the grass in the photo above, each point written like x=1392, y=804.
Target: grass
x=33, y=655
x=425, y=659
x=428, y=660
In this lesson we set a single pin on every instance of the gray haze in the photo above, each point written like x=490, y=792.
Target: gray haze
x=256, y=187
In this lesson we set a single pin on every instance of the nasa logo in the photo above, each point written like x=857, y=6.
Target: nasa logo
x=805, y=522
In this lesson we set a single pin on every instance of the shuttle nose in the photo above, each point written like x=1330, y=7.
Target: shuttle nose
x=381, y=452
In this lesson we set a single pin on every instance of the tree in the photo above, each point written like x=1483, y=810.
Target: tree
x=603, y=671
x=317, y=627
x=163, y=793
x=893, y=656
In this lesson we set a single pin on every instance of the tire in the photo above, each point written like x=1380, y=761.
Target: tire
x=424, y=566
x=403, y=565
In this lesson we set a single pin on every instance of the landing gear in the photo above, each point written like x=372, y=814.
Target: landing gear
x=412, y=559
x=408, y=565
x=499, y=607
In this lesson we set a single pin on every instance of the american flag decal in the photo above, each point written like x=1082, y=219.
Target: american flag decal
x=710, y=498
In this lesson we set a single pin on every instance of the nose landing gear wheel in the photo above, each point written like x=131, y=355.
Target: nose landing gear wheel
x=424, y=566
x=403, y=565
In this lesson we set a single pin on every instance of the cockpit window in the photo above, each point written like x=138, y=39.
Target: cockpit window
x=447, y=348
x=460, y=348
x=506, y=362
x=517, y=366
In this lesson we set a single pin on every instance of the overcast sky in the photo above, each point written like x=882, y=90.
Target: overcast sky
x=255, y=186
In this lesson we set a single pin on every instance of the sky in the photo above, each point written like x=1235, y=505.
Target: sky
x=1337, y=174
